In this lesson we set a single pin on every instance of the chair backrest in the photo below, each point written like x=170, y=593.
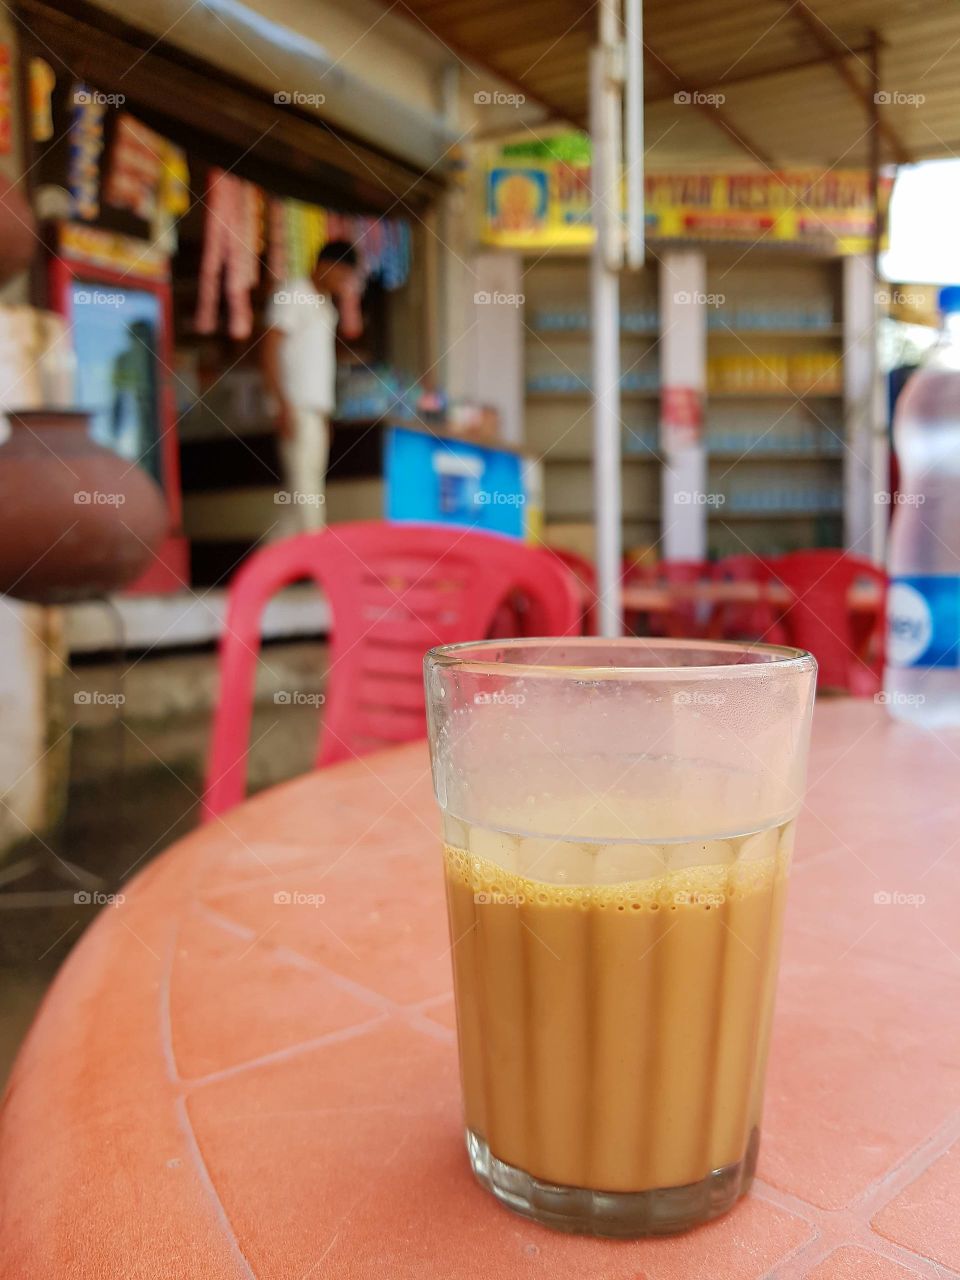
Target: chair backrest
x=685, y=618
x=395, y=591
x=819, y=617
x=586, y=573
x=745, y=620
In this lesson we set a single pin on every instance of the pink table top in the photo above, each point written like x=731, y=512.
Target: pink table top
x=248, y=1068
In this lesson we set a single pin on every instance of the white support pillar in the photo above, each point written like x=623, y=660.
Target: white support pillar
x=683, y=370
x=866, y=455
x=496, y=351
x=605, y=263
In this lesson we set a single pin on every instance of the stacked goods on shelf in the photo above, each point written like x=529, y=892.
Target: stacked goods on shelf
x=558, y=418
x=775, y=420
x=802, y=373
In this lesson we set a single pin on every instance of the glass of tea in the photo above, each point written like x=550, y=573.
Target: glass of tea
x=618, y=819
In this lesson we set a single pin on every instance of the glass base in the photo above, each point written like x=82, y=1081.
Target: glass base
x=627, y=1214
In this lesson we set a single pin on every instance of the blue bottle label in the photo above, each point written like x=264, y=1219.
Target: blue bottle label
x=923, y=621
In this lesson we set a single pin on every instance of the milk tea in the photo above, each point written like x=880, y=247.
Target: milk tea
x=614, y=1001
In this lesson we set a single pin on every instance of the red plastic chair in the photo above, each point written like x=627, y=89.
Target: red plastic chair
x=395, y=591
x=746, y=620
x=684, y=619
x=847, y=645
x=585, y=572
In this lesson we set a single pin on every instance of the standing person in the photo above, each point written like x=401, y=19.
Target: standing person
x=300, y=367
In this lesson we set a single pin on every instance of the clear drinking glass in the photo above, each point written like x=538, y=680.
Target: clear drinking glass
x=618, y=818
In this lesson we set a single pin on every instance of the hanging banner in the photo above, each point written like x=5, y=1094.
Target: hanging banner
x=537, y=196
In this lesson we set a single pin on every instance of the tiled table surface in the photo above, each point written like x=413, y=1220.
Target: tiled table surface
x=249, y=1069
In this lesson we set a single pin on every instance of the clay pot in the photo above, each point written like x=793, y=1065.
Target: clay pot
x=18, y=240
x=76, y=520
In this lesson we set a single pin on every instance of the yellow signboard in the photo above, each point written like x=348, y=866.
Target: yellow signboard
x=538, y=197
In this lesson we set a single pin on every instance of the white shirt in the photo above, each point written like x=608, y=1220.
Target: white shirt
x=308, y=354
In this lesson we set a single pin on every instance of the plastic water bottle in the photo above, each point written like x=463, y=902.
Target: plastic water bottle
x=923, y=612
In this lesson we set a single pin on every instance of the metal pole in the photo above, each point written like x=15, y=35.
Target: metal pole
x=605, y=331
x=636, y=208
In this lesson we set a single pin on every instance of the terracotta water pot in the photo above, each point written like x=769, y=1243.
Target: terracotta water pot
x=76, y=520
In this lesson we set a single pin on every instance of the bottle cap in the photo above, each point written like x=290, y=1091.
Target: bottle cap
x=949, y=299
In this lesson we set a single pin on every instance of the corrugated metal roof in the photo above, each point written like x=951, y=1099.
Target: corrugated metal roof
x=794, y=78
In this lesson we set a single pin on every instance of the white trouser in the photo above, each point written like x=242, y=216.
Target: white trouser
x=304, y=459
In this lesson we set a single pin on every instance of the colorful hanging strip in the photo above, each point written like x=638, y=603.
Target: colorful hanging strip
x=299, y=231
x=6, y=96
x=135, y=167
x=86, y=146
x=42, y=82
x=232, y=242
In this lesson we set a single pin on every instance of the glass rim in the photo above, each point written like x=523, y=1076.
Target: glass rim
x=468, y=657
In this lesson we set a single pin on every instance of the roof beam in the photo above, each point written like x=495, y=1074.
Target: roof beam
x=748, y=77
x=836, y=53
x=715, y=114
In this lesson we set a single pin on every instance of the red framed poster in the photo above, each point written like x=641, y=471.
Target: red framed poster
x=114, y=293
